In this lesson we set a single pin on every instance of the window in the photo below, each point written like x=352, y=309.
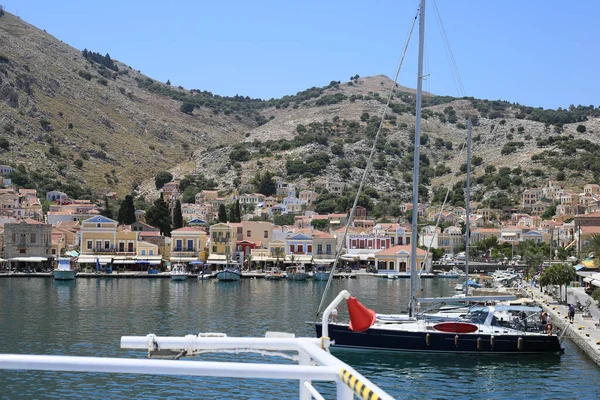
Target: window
x=266, y=234
x=391, y=265
x=143, y=252
x=319, y=249
x=292, y=248
x=89, y=245
x=381, y=265
x=151, y=252
x=53, y=251
x=178, y=245
x=22, y=251
x=300, y=248
x=190, y=245
x=32, y=238
x=407, y=241
x=214, y=249
x=328, y=249
x=130, y=247
x=227, y=250
x=106, y=245
x=309, y=248
x=121, y=247
x=98, y=244
x=248, y=233
x=98, y=225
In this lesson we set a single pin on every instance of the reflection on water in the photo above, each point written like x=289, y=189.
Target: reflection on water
x=88, y=316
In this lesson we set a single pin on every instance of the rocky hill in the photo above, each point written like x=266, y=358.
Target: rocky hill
x=83, y=119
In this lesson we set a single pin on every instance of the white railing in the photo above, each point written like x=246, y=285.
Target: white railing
x=314, y=362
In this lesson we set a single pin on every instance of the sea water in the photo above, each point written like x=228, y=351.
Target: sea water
x=87, y=317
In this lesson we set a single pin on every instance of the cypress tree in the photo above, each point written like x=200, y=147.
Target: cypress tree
x=222, y=213
x=107, y=212
x=159, y=216
x=177, y=216
x=127, y=211
x=236, y=211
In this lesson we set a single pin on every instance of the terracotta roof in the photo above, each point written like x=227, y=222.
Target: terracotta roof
x=393, y=250
x=590, y=229
x=188, y=229
x=590, y=215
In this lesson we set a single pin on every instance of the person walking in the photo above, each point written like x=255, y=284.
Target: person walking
x=571, y=313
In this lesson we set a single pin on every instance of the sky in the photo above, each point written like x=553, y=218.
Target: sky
x=534, y=52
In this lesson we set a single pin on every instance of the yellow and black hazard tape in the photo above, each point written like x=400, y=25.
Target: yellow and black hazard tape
x=357, y=386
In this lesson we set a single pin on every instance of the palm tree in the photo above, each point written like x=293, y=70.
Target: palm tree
x=249, y=260
x=593, y=246
x=278, y=253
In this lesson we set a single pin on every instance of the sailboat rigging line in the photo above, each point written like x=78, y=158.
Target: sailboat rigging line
x=415, y=214
x=367, y=167
x=449, y=53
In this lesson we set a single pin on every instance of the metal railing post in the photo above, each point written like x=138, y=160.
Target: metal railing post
x=304, y=359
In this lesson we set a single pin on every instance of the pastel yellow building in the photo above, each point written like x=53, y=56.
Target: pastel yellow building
x=222, y=239
x=188, y=244
x=397, y=259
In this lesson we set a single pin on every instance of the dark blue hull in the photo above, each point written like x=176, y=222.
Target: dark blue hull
x=389, y=340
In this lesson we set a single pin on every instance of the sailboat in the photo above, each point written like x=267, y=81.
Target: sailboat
x=483, y=329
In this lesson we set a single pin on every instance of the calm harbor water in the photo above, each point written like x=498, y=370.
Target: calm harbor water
x=88, y=317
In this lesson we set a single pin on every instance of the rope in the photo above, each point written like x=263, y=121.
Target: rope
x=366, y=171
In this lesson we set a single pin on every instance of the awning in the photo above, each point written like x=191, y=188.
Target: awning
x=365, y=257
x=349, y=257
x=596, y=282
x=587, y=280
x=154, y=262
x=90, y=259
x=183, y=259
x=323, y=261
x=127, y=261
x=579, y=267
x=510, y=234
x=29, y=259
x=301, y=259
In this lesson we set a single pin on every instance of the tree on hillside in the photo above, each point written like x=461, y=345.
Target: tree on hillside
x=106, y=212
x=177, y=216
x=127, y=211
x=187, y=108
x=235, y=215
x=265, y=183
x=161, y=178
x=159, y=216
x=222, y=213
x=320, y=224
x=169, y=82
x=559, y=274
x=581, y=128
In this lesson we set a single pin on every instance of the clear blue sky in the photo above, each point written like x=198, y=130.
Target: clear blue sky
x=535, y=52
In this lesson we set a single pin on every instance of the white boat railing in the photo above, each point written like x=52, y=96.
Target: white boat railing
x=314, y=362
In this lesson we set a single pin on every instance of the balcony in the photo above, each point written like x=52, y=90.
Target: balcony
x=177, y=253
x=101, y=250
x=220, y=239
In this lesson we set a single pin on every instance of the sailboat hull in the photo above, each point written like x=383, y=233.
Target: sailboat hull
x=440, y=342
x=229, y=276
x=321, y=276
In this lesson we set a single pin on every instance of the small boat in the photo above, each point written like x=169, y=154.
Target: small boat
x=274, y=274
x=296, y=273
x=426, y=275
x=461, y=286
x=64, y=271
x=452, y=274
x=321, y=273
x=230, y=273
x=179, y=273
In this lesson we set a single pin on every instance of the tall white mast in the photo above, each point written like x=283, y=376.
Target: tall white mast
x=415, y=210
x=467, y=208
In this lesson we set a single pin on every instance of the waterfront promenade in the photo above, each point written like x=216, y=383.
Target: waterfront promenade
x=585, y=330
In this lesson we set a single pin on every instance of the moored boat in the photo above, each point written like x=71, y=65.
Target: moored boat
x=452, y=274
x=230, y=273
x=64, y=270
x=179, y=273
x=296, y=273
x=274, y=274
x=321, y=273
